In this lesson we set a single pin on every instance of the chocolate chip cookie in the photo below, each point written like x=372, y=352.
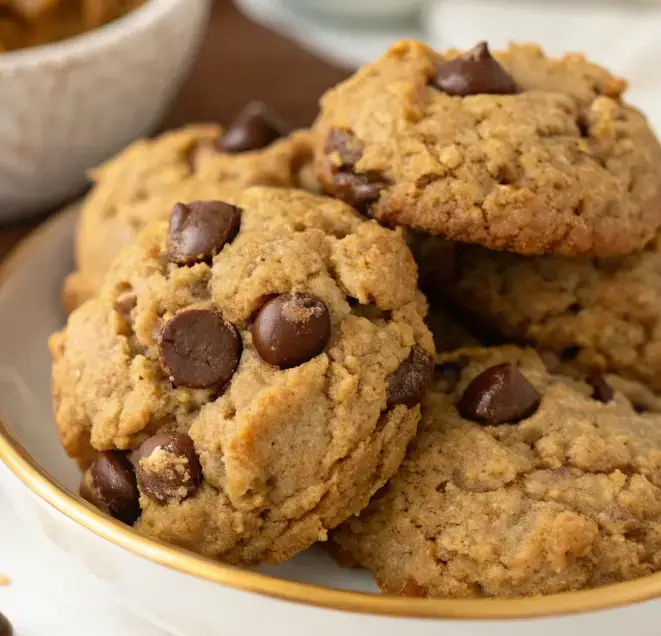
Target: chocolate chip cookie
x=520, y=482
x=250, y=373
x=514, y=151
x=594, y=313
x=197, y=162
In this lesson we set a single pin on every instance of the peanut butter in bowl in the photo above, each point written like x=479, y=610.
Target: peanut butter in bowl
x=29, y=23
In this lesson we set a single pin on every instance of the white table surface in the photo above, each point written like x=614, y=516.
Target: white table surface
x=41, y=600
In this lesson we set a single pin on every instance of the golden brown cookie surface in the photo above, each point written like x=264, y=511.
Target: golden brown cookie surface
x=150, y=176
x=516, y=152
x=594, y=313
x=520, y=482
x=291, y=354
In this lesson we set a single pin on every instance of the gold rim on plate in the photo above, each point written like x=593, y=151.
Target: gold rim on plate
x=26, y=469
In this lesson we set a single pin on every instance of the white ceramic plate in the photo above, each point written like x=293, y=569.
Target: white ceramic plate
x=191, y=596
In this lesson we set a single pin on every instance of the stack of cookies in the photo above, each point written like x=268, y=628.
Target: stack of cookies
x=249, y=367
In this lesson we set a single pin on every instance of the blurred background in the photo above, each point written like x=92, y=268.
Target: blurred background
x=620, y=34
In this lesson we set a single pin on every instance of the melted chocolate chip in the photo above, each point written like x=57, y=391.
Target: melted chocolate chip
x=175, y=474
x=473, y=73
x=359, y=190
x=409, y=383
x=255, y=127
x=199, y=230
x=6, y=628
x=601, y=390
x=113, y=481
x=291, y=329
x=90, y=493
x=199, y=349
x=345, y=145
x=499, y=395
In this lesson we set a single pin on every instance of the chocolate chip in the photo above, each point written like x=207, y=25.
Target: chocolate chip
x=199, y=230
x=90, y=493
x=256, y=126
x=359, y=190
x=550, y=359
x=291, y=329
x=263, y=300
x=174, y=474
x=499, y=395
x=5, y=626
x=409, y=383
x=345, y=145
x=199, y=349
x=114, y=482
x=473, y=73
x=601, y=390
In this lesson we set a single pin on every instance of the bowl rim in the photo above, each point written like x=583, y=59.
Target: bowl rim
x=19, y=461
x=100, y=37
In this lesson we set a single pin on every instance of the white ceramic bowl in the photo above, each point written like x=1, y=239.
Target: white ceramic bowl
x=66, y=107
x=188, y=595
